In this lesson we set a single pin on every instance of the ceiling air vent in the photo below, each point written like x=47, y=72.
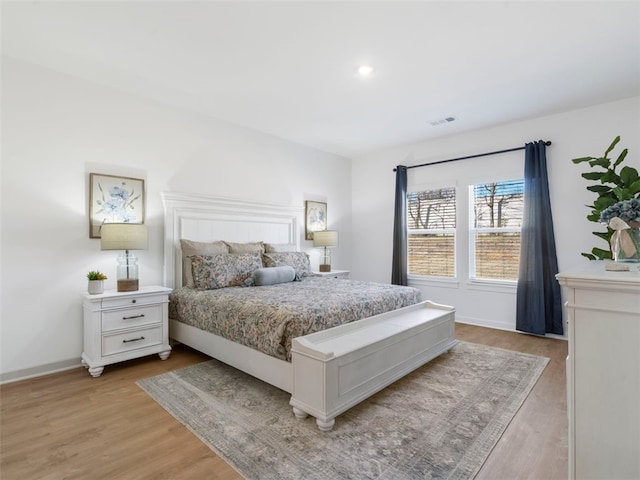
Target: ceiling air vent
x=442, y=121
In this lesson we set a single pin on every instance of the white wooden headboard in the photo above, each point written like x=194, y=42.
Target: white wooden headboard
x=205, y=219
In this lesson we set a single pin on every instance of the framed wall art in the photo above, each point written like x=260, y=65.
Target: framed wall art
x=315, y=218
x=114, y=199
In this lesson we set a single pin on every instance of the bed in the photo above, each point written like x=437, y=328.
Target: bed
x=364, y=334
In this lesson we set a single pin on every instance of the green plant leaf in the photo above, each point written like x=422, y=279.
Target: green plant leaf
x=612, y=146
x=604, y=202
x=601, y=254
x=600, y=162
x=582, y=159
x=610, y=177
x=589, y=256
x=603, y=235
x=599, y=188
x=628, y=175
x=593, y=175
x=634, y=188
x=96, y=275
x=620, y=159
x=622, y=193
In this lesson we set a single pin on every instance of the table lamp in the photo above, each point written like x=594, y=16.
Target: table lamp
x=125, y=236
x=325, y=239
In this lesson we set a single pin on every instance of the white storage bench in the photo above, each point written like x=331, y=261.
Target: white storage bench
x=336, y=369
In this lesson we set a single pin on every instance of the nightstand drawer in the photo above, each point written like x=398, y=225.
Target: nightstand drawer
x=131, y=300
x=334, y=274
x=338, y=275
x=131, y=317
x=132, y=340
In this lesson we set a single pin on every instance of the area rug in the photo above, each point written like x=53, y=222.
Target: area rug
x=440, y=421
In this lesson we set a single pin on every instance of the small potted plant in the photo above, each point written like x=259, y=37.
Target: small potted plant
x=96, y=282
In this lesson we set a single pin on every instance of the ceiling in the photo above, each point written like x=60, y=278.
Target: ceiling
x=289, y=68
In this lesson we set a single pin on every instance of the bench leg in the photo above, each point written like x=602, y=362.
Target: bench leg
x=325, y=426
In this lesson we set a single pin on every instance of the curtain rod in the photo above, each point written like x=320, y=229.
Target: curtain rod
x=547, y=143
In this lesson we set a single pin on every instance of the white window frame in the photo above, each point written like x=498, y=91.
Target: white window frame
x=428, y=279
x=473, y=230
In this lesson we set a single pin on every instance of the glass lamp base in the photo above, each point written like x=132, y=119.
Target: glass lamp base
x=127, y=272
x=325, y=260
x=128, y=285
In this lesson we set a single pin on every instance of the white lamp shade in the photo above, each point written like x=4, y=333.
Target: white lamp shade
x=325, y=238
x=123, y=236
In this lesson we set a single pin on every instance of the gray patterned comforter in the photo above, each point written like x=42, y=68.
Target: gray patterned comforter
x=267, y=318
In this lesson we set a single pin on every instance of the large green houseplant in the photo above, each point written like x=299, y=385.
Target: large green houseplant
x=611, y=186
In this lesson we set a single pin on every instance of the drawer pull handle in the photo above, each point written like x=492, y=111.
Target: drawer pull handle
x=133, y=340
x=133, y=301
x=134, y=316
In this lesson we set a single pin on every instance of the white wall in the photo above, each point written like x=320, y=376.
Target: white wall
x=578, y=133
x=56, y=130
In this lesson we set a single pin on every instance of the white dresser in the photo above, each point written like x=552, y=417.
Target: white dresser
x=603, y=373
x=120, y=326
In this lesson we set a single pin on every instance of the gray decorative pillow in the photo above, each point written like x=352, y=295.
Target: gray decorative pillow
x=190, y=248
x=223, y=270
x=273, y=275
x=249, y=247
x=279, y=247
x=298, y=260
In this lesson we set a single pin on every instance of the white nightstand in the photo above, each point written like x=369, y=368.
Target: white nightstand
x=334, y=274
x=120, y=326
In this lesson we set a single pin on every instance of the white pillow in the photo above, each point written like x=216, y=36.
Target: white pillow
x=279, y=247
x=247, y=247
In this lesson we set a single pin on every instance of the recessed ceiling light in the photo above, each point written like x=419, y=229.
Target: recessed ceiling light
x=365, y=70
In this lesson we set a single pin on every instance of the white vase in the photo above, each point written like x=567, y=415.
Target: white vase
x=95, y=287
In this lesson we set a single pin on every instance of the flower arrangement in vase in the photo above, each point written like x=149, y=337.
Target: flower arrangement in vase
x=614, y=188
x=624, y=219
x=96, y=282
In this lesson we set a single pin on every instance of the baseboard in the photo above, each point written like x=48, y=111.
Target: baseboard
x=481, y=322
x=39, y=371
x=501, y=326
x=63, y=365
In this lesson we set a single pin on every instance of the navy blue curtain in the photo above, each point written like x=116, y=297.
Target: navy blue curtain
x=399, y=265
x=539, y=305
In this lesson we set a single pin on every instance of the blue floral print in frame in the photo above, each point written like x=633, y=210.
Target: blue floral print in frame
x=114, y=200
x=315, y=218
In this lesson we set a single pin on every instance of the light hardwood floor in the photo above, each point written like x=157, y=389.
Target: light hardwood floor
x=72, y=426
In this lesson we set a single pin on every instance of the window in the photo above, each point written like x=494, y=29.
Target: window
x=431, y=221
x=494, y=231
